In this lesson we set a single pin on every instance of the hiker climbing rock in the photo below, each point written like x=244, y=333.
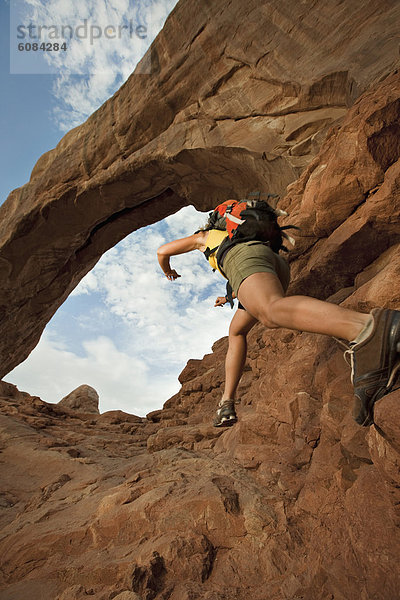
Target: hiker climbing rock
x=242, y=240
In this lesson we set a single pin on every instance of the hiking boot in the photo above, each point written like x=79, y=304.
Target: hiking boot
x=226, y=415
x=375, y=364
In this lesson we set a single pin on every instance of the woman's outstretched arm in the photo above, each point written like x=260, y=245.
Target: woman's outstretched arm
x=181, y=246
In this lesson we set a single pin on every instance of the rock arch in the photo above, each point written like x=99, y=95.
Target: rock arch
x=232, y=96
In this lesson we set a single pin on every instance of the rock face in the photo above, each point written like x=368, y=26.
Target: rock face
x=240, y=97
x=295, y=498
x=84, y=399
x=295, y=501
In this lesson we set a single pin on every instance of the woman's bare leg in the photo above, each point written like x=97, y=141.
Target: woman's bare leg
x=235, y=360
x=263, y=297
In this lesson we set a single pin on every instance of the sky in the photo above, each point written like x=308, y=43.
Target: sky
x=125, y=330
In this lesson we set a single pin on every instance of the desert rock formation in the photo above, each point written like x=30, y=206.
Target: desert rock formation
x=84, y=399
x=295, y=501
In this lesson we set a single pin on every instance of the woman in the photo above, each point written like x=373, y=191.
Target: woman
x=259, y=278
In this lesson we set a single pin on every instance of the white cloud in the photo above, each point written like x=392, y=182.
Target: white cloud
x=123, y=382
x=104, y=55
x=130, y=330
x=175, y=318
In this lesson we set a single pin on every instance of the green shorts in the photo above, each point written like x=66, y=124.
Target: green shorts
x=254, y=257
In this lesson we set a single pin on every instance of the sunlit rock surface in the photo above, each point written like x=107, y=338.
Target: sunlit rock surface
x=84, y=399
x=296, y=500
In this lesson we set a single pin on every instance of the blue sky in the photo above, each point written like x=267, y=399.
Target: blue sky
x=27, y=129
x=125, y=330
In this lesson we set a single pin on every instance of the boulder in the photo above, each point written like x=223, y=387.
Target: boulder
x=84, y=399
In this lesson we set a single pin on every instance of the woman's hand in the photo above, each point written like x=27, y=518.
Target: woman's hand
x=172, y=275
x=220, y=301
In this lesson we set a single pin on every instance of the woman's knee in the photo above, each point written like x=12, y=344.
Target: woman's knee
x=236, y=331
x=241, y=324
x=268, y=315
x=268, y=323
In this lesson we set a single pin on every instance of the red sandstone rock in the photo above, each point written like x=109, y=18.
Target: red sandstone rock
x=294, y=498
x=84, y=399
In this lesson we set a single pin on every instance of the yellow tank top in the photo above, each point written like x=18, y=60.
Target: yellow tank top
x=214, y=240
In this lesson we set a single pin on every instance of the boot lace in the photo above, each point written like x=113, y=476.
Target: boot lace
x=348, y=356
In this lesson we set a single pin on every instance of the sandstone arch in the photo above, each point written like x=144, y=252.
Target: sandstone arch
x=240, y=96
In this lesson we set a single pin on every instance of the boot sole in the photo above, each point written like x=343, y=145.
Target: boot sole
x=226, y=422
